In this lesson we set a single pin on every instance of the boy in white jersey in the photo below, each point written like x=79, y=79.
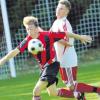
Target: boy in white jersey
x=66, y=53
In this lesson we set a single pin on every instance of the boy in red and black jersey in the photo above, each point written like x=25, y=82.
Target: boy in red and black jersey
x=46, y=58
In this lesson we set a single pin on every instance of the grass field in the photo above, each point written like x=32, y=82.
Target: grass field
x=20, y=88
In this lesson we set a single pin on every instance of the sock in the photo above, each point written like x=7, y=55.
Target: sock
x=98, y=90
x=65, y=93
x=36, y=98
x=81, y=87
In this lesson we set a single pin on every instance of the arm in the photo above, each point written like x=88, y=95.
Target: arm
x=10, y=55
x=82, y=38
x=20, y=48
x=60, y=35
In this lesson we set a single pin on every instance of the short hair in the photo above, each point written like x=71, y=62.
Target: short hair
x=30, y=20
x=66, y=3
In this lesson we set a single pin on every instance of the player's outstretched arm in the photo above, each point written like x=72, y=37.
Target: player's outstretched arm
x=83, y=38
x=10, y=55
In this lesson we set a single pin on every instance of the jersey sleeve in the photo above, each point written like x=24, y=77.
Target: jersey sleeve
x=24, y=44
x=58, y=35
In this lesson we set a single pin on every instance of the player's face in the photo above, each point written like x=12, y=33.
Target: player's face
x=32, y=30
x=61, y=11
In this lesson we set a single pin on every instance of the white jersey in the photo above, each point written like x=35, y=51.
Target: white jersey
x=67, y=56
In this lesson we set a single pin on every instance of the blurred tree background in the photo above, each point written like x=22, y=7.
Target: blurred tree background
x=17, y=9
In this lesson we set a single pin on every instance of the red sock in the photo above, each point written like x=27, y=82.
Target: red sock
x=65, y=93
x=81, y=87
x=98, y=90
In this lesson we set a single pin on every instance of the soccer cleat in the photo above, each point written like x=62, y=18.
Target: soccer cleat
x=81, y=96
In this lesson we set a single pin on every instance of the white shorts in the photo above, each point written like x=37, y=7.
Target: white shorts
x=69, y=58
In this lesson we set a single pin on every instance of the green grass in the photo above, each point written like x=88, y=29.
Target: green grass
x=20, y=88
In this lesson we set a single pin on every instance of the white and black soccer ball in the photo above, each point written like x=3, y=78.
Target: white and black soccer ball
x=35, y=46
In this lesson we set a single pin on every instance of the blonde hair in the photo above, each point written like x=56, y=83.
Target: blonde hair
x=30, y=20
x=66, y=3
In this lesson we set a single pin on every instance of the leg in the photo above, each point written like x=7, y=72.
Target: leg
x=79, y=88
x=69, y=76
x=49, y=74
x=38, y=88
x=82, y=87
x=52, y=90
x=47, y=78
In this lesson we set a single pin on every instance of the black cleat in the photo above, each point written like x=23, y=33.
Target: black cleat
x=81, y=97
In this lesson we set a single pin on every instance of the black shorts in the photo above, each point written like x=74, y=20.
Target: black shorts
x=49, y=73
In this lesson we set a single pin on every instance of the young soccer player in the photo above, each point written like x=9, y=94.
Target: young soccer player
x=50, y=67
x=66, y=54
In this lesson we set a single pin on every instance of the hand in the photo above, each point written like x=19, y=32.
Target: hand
x=86, y=39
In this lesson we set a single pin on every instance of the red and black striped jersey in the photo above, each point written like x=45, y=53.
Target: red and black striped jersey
x=48, y=39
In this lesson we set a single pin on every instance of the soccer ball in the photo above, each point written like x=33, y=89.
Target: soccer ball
x=35, y=46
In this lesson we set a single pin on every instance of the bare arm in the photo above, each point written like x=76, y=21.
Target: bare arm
x=10, y=55
x=82, y=38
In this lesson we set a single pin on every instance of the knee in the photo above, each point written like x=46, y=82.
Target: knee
x=51, y=93
x=72, y=87
x=36, y=91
